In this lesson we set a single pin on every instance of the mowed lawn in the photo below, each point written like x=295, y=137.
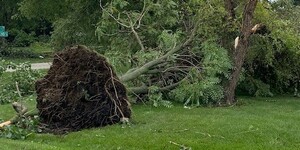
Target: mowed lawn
x=258, y=123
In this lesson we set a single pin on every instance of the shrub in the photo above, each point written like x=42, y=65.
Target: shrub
x=21, y=130
x=23, y=77
x=156, y=98
x=21, y=38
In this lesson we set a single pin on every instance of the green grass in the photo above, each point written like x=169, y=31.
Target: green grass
x=37, y=48
x=260, y=123
x=29, y=60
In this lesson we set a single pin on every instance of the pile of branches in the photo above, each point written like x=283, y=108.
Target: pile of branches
x=81, y=90
x=167, y=71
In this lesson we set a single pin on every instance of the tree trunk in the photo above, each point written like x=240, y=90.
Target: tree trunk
x=240, y=49
x=239, y=58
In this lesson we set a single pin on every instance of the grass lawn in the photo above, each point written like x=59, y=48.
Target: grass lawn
x=29, y=60
x=260, y=123
x=38, y=48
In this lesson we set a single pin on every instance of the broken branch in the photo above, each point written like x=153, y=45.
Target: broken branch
x=143, y=69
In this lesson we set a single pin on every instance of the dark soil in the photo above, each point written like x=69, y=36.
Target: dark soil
x=81, y=90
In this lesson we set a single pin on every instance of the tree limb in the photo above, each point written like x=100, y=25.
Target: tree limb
x=135, y=33
x=21, y=110
x=131, y=23
x=143, y=69
x=117, y=20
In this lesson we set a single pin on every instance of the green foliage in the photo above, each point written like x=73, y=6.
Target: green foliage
x=255, y=87
x=13, y=132
x=121, y=62
x=202, y=93
x=156, y=98
x=20, y=131
x=22, y=79
x=21, y=38
x=25, y=77
x=216, y=60
x=272, y=64
x=165, y=25
x=48, y=9
x=67, y=32
x=114, y=30
x=74, y=25
x=5, y=96
x=168, y=40
x=144, y=57
x=22, y=31
x=203, y=87
x=3, y=66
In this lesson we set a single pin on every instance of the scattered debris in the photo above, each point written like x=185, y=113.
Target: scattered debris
x=182, y=147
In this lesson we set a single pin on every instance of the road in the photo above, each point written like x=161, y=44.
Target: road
x=36, y=66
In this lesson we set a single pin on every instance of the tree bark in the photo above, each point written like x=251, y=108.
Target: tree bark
x=240, y=51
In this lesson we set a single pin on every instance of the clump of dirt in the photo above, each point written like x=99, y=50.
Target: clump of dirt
x=81, y=90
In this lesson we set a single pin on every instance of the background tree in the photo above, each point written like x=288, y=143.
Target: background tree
x=271, y=65
x=240, y=49
x=22, y=31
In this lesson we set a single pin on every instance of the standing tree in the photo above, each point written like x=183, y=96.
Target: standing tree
x=240, y=47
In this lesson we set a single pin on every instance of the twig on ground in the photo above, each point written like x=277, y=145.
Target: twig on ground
x=182, y=147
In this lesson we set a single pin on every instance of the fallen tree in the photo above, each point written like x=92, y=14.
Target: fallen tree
x=81, y=89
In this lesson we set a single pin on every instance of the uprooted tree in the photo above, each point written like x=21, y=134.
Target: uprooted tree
x=183, y=63
x=160, y=45
x=171, y=49
x=167, y=67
